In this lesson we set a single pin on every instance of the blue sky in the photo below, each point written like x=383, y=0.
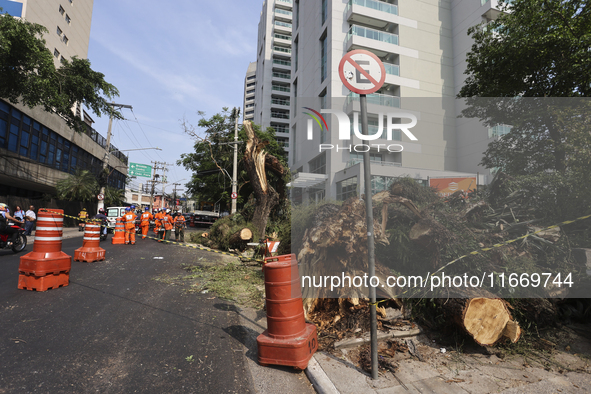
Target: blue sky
x=170, y=59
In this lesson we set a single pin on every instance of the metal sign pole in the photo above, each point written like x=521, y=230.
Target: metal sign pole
x=363, y=72
x=370, y=242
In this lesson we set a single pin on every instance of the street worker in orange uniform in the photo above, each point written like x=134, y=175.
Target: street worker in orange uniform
x=157, y=223
x=145, y=222
x=167, y=222
x=179, y=227
x=129, y=220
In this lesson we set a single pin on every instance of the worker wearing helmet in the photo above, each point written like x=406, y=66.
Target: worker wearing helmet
x=145, y=222
x=129, y=220
x=167, y=222
x=83, y=215
x=179, y=227
x=158, y=223
x=4, y=227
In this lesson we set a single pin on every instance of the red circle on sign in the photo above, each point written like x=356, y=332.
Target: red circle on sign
x=234, y=195
x=100, y=197
x=347, y=58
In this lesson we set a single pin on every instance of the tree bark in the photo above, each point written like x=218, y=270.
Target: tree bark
x=257, y=161
x=486, y=319
x=240, y=236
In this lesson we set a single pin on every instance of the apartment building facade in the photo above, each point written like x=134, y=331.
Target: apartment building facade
x=249, y=92
x=272, y=107
x=423, y=46
x=37, y=148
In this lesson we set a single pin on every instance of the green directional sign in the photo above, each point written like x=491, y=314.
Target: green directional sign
x=143, y=170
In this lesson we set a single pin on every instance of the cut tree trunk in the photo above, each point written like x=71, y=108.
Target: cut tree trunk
x=257, y=161
x=487, y=320
x=240, y=236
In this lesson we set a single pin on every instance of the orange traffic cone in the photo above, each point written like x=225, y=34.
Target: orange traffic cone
x=288, y=340
x=46, y=267
x=119, y=237
x=90, y=250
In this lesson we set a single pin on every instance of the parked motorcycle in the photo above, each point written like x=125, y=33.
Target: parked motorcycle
x=21, y=240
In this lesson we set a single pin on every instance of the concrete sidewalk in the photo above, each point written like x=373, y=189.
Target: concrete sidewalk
x=455, y=372
x=68, y=232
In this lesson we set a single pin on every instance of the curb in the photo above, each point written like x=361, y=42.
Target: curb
x=320, y=381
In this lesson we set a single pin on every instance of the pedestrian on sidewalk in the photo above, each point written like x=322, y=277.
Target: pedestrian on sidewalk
x=19, y=214
x=30, y=218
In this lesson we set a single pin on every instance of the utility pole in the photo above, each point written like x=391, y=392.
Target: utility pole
x=101, y=203
x=174, y=193
x=235, y=114
x=156, y=178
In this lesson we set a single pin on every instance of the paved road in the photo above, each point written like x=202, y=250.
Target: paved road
x=115, y=329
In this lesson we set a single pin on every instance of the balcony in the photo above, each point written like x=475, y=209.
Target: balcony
x=283, y=64
x=280, y=13
x=281, y=90
x=372, y=34
x=392, y=69
x=375, y=99
x=280, y=103
x=281, y=39
x=353, y=162
x=280, y=115
x=282, y=27
x=284, y=3
x=373, y=13
x=282, y=51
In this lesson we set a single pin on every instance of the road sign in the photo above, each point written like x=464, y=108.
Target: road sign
x=143, y=170
x=362, y=72
x=100, y=197
x=234, y=195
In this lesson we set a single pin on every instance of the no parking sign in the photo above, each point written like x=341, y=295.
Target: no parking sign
x=362, y=72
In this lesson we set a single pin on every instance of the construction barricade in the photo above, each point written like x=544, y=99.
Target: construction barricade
x=288, y=340
x=47, y=266
x=90, y=250
x=119, y=235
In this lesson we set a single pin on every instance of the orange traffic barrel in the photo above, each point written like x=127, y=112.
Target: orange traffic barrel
x=47, y=256
x=90, y=250
x=283, y=298
x=119, y=237
x=288, y=340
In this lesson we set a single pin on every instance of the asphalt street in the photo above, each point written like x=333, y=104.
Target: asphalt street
x=116, y=329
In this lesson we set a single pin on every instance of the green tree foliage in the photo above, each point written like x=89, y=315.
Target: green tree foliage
x=114, y=197
x=212, y=161
x=80, y=186
x=538, y=50
x=28, y=74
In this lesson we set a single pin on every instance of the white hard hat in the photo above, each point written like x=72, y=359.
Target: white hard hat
x=168, y=211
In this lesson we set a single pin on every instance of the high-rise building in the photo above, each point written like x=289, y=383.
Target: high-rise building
x=423, y=47
x=273, y=69
x=249, y=92
x=37, y=148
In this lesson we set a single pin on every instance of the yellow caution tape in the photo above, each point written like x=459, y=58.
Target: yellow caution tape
x=158, y=239
x=476, y=252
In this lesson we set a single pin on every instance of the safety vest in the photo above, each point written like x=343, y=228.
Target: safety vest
x=167, y=221
x=179, y=221
x=146, y=217
x=129, y=220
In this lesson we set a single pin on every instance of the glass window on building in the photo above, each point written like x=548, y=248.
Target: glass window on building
x=499, y=130
x=318, y=165
x=323, y=11
x=323, y=58
x=347, y=189
x=381, y=183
